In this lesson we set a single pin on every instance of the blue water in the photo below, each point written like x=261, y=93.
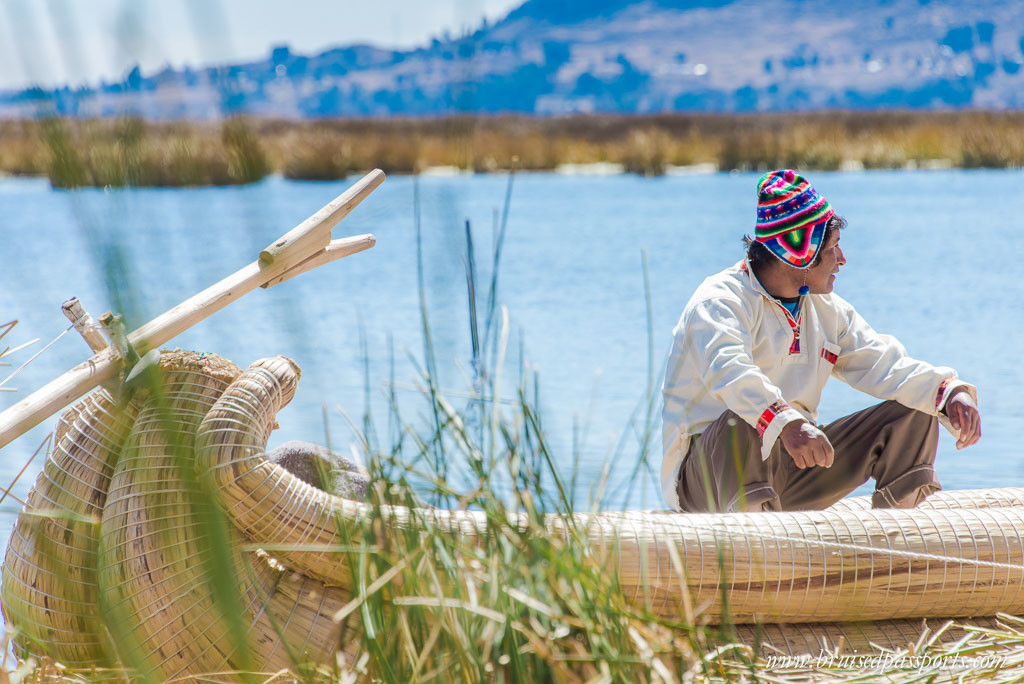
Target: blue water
x=933, y=259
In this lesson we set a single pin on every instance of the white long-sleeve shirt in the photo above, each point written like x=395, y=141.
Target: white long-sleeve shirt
x=738, y=348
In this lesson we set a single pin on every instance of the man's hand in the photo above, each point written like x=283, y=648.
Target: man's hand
x=964, y=416
x=807, y=445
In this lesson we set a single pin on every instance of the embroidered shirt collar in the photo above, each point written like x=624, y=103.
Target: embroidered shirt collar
x=755, y=284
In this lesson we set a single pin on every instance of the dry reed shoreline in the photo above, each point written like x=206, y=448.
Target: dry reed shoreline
x=133, y=152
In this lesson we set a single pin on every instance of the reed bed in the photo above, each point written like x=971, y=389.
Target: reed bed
x=134, y=152
x=131, y=152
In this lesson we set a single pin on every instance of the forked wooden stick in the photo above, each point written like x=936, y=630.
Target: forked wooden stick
x=313, y=234
x=303, y=248
x=336, y=249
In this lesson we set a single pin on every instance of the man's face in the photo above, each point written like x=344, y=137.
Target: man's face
x=822, y=276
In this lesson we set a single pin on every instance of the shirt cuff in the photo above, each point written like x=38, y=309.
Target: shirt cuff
x=770, y=424
x=942, y=396
x=946, y=389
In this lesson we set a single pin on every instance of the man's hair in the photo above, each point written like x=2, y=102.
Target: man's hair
x=758, y=254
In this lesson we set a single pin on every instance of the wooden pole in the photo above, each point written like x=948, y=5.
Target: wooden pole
x=84, y=324
x=335, y=250
x=293, y=254
x=313, y=234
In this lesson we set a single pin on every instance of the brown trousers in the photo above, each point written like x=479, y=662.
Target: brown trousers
x=723, y=470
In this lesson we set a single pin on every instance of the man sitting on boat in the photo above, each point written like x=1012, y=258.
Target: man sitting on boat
x=753, y=350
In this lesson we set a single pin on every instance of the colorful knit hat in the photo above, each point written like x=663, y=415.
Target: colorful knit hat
x=791, y=217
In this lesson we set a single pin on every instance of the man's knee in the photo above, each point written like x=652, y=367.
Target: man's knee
x=755, y=496
x=907, y=490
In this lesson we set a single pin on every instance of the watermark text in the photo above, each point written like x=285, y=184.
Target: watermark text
x=886, y=662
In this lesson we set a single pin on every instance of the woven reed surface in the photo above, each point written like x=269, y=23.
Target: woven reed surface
x=266, y=502
x=819, y=566
x=49, y=573
x=155, y=562
x=815, y=566
x=958, y=498
x=125, y=467
x=291, y=615
x=151, y=566
x=273, y=507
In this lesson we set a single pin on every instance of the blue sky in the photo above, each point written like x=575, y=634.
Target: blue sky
x=52, y=42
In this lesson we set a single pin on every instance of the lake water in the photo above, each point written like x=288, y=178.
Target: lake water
x=933, y=259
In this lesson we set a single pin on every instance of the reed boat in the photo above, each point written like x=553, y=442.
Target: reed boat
x=792, y=580
x=108, y=562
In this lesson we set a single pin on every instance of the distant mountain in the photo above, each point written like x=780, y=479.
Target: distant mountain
x=569, y=56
